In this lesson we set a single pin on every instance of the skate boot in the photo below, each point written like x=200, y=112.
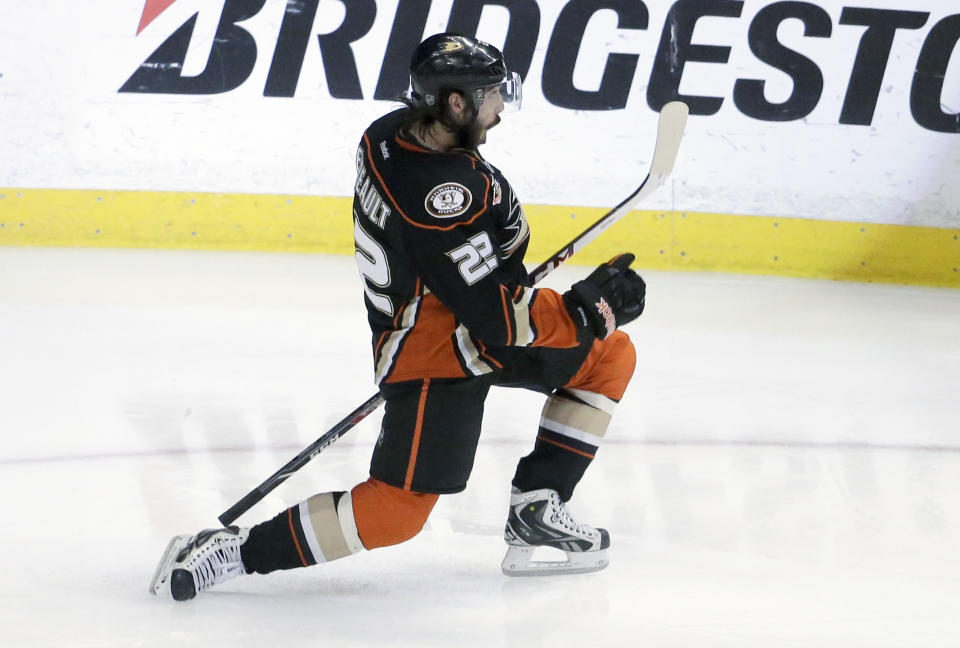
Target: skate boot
x=191, y=564
x=540, y=519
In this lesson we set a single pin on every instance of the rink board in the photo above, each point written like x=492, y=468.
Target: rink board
x=666, y=240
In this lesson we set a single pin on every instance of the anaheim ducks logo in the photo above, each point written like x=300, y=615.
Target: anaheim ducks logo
x=451, y=46
x=448, y=200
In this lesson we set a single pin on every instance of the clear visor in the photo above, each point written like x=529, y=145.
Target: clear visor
x=511, y=90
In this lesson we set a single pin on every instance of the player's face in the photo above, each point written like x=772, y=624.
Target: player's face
x=488, y=115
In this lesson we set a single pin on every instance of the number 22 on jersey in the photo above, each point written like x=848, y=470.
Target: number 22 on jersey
x=374, y=268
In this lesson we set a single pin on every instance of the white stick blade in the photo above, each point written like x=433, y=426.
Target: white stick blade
x=673, y=121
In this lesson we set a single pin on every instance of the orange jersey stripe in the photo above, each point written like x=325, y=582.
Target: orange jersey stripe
x=383, y=338
x=507, y=302
x=487, y=357
x=366, y=141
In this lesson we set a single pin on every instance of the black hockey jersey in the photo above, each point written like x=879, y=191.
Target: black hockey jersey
x=440, y=239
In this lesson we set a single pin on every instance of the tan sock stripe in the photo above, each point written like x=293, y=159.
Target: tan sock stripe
x=323, y=531
x=575, y=420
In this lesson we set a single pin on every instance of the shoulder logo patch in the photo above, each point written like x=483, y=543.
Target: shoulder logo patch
x=448, y=200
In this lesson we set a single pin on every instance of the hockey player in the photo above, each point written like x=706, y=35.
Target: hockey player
x=440, y=240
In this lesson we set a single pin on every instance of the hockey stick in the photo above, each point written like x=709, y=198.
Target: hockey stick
x=673, y=119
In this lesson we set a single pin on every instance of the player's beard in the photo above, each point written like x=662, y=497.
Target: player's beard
x=471, y=136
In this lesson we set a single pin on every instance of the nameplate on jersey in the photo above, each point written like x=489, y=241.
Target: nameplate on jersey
x=369, y=200
x=448, y=200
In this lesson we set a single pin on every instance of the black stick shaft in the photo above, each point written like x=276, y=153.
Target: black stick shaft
x=253, y=497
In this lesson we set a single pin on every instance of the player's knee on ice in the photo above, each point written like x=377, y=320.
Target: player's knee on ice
x=387, y=515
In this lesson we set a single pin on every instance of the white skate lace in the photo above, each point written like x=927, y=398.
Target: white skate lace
x=217, y=561
x=562, y=517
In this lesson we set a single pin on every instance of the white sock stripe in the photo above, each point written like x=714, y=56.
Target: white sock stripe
x=594, y=399
x=348, y=524
x=307, y=524
x=573, y=433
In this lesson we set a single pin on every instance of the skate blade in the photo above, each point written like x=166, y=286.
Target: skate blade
x=162, y=574
x=519, y=562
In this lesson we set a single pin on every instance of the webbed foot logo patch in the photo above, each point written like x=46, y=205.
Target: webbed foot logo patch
x=448, y=200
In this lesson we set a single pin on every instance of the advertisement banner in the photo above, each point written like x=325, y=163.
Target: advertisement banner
x=823, y=110
x=811, y=109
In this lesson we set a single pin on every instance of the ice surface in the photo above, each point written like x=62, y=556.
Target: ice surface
x=783, y=471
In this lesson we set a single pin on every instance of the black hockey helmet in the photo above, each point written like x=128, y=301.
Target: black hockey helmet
x=450, y=61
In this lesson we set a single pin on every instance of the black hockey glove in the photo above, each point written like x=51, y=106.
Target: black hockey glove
x=610, y=297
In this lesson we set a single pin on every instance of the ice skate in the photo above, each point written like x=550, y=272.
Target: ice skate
x=540, y=519
x=191, y=564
